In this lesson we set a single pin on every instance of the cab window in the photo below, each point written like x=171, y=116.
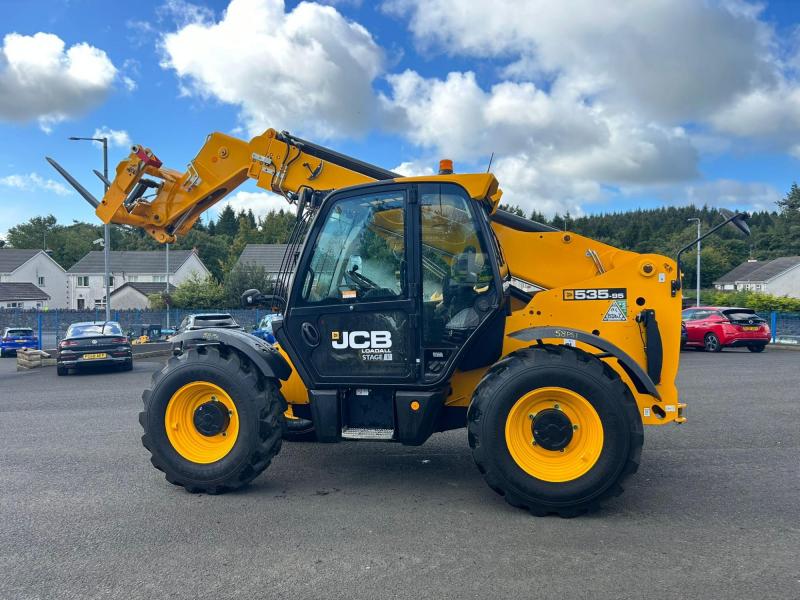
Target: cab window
x=359, y=254
x=458, y=288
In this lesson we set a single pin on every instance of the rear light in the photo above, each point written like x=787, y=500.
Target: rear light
x=119, y=340
x=6, y=339
x=67, y=344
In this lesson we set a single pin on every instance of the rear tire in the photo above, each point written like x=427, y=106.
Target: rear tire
x=127, y=366
x=255, y=402
x=711, y=343
x=565, y=488
x=759, y=348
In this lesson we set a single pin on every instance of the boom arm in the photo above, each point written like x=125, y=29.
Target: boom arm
x=277, y=161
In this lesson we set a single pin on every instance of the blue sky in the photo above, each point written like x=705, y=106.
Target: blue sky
x=588, y=107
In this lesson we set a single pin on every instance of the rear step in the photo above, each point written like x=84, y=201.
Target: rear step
x=367, y=433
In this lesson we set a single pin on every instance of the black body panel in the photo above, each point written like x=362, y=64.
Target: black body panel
x=265, y=357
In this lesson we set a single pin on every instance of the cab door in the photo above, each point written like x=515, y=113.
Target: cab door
x=352, y=315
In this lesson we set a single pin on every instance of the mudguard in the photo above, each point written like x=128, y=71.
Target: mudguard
x=264, y=356
x=644, y=384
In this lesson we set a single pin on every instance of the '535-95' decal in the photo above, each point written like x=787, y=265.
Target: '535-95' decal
x=596, y=294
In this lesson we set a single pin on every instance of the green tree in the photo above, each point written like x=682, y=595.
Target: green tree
x=227, y=223
x=197, y=292
x=246, y=277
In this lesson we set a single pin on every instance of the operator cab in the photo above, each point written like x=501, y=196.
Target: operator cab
x=399, y=284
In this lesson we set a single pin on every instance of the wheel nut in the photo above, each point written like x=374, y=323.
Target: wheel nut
x=532, y=416
x=557, y=407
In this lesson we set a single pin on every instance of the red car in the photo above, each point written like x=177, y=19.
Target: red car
x=712, y=328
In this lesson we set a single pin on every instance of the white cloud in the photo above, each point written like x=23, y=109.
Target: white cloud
x=414, y=168
x=671, y=59
x=34, y=181
x=260, y=203
x=554, y=149
x=41, y=79
x=118, y=138
x=308, y=69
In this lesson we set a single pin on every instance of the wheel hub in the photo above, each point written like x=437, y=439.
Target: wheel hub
x=211, y=418
x=552, y=429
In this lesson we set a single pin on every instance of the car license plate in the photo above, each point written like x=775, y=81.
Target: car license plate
x=750, y=328
x=95, y=356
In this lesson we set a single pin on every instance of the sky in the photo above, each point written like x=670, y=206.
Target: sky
x=587, y=106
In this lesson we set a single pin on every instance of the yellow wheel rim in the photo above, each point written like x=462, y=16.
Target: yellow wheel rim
x=181, y=430
x=577, y=457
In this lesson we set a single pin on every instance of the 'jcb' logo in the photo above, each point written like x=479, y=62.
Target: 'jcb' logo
x=361, y=339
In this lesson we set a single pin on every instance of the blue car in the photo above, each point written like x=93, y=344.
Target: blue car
x=14, y=338
x=264, y=329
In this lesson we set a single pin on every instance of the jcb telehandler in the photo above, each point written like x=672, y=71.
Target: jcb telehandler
x=411, y=305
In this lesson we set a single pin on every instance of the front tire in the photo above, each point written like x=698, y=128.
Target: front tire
x=758, y=348
x=228, y=445
x=61, y=371
x=554, y=430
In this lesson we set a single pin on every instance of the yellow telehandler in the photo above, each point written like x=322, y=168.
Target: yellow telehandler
x=410, y=305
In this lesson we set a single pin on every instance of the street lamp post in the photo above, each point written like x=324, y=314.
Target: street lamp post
x=106, y=226
x=698, y=259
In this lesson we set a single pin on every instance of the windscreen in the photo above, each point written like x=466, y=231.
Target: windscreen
x=90, y=329
x=742, y=314
x=214, y=320
x=19, y=333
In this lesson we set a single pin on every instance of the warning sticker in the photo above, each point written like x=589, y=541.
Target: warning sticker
x=617, y=312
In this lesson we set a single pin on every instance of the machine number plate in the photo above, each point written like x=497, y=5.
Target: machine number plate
x=95, y=356
x=596, y=294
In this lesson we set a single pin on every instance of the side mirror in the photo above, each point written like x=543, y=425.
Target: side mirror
x=251, y=297
x=738, y=220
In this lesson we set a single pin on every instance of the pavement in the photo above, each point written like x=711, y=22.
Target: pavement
x=712, y=512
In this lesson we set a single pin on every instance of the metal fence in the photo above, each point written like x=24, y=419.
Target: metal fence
x=51, y=325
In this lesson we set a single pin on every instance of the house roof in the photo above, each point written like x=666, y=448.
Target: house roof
x=759, y=271
x=741, y=272
x=21, y=291
x=12, y=259
x=772, y=269
x=145, y=287
x=131, y=261
x=268, y=256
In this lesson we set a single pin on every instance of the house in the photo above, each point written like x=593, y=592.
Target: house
x=22, y=295
x=136, y=294
x=779, y=277
x=19, y=265
x=85, y=278
x=268, y=256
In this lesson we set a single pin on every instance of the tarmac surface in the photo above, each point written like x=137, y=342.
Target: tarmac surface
x=712, y=512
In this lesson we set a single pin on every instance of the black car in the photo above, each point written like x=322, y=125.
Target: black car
x=99, y=343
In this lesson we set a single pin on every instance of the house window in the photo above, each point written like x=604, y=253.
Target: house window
x=40, y=280
x=83, y=281
x=13, y=304
x=133, y=278
x=159, y=278
x=100, y=303
x=110, y=281
x=81, y=303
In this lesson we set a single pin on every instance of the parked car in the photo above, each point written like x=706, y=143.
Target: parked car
x=712, y=328
x=15, y=338
x=205, y=320
x=684, y=335
x=94, y=343
x=264, y=328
